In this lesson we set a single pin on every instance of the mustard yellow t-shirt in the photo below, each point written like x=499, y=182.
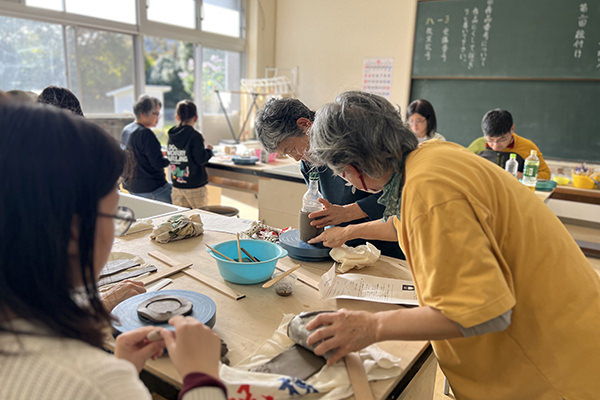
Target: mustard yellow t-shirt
x=480, y=243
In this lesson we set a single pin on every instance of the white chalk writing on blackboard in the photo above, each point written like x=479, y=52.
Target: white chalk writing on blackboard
x=472, y=46
x=429, y=34
x=464, y=31
x=580, y=31
x=487, y=25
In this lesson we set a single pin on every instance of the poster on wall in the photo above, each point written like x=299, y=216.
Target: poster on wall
x=377, y=76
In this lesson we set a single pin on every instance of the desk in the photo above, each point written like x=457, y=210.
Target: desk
x=278, y=186
x=245, y=324
x=570, y=193
x=585, y=233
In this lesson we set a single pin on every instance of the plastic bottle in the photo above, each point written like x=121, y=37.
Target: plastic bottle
x=512, y=165
x=310, y=203
x=530, y=170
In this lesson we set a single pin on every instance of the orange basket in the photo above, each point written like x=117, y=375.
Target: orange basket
x=583, y=182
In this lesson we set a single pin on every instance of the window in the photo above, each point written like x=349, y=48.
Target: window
x=101, y=73
x=175, y=12
x=92, y=8
x=113, y=10
x=169, y=76
x=221, y=70
x=222, y=17
x=31, y=55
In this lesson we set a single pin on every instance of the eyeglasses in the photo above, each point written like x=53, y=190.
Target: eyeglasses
x=502, y=139
x=360, y=176
x=416, y=121
x=123, y=219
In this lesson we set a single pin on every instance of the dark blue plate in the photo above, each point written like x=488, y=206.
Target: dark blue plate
x=204, y=310
x=290, y=240
x=238, y=160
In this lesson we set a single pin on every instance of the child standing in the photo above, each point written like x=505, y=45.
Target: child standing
x=187, y=158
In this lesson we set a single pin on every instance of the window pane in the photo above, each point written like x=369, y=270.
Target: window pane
x=169, y=77
x=93, y=8
x=114, y=10
x=174, y=12
x=222, y=17
x=49, y=4
x=31, y=55
x=221, y=70
x=104, y=71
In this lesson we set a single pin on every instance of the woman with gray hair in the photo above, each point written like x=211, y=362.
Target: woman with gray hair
x=489, y=266
x=283, y=125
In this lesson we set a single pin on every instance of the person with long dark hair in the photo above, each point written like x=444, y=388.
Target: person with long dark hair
x=421, y=119
x=58, y=216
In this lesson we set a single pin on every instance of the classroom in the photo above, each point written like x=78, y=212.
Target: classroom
x=277, y=198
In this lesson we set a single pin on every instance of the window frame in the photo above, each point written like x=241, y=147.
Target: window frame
x=144, y=27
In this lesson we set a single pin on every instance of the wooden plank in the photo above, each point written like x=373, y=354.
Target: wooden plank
x=590, y=249
x=589, y=196
x=156, y=276
x=160, y=256
x=218, y=286
x=358, y=377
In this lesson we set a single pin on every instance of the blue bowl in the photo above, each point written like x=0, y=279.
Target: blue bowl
x=248, y=272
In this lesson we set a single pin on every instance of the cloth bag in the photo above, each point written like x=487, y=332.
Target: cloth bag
x=178, y=227
x=330, y=383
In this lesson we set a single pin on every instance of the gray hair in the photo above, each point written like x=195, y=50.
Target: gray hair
x=360, y=129
x=145, y=105
x=277, y=121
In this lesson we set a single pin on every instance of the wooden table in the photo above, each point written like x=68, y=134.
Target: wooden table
x=245, y=324
x=571, y=193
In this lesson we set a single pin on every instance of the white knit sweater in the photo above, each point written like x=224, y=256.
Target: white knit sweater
x=53, y=368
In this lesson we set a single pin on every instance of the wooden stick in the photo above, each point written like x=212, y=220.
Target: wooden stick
x=250, y=255
x=219, y=253
x=273, y=281
x=358, y=377
x=160, y=256
x=156, y=276
x=218, y=286
x=302, y=277
x=237, y=236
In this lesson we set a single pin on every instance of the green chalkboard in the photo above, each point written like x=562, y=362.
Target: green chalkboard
x=508, y=38
x=561, y=117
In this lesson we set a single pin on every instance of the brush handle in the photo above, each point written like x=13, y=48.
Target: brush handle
x=273, y=281
x=219, y=253
x=250, y=255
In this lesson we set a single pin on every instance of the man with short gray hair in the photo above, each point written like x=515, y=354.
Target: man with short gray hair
x=147, y=176
x=282, y=125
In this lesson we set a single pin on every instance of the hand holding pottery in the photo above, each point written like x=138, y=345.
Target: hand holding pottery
x=193, y=347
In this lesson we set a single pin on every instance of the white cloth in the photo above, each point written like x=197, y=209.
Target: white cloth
x=436, y=135
x=332, y=382
x=52, y=368
x=355, y=257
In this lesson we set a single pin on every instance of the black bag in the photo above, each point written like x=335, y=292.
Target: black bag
x=501, y=157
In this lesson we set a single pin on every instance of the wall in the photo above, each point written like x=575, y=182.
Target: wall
x=329, y=40
x=260, y=37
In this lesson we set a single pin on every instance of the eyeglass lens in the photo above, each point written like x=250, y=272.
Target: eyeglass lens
x=123, y=220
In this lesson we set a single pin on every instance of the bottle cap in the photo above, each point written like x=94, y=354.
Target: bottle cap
x=513, y=156
x=533, y=152
x=313, y=176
